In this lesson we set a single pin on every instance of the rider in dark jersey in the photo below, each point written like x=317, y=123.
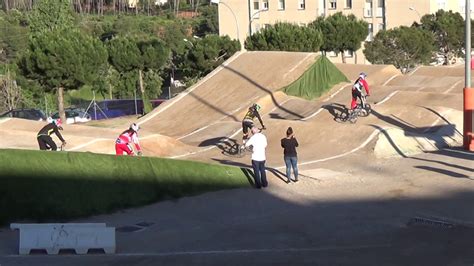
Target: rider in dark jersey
x=44, y=135
x=247, y=122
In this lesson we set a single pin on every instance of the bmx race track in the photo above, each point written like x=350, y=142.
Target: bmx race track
x=419, y=111
x=392, y=189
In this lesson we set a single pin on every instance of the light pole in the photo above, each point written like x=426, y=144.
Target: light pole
x=232, y=11
x=252, y=18
x=468, y=92
x=418, y=13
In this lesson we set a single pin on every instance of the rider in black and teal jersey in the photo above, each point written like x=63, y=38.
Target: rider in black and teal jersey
x=247, y=122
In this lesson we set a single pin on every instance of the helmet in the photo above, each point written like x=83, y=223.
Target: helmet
x=134, y=127
x=256, y=106
x=362, y=75
x=58, y=122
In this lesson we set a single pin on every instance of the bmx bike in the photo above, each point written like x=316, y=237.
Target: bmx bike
x=238, y=149
x=362, y=109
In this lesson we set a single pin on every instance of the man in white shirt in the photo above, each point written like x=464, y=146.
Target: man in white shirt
x=258, y=141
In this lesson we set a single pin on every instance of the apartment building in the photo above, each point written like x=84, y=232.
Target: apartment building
x=240, y=18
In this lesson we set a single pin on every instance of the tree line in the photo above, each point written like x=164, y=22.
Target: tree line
x=50, y=50
x=439, y=35
x=101, y=7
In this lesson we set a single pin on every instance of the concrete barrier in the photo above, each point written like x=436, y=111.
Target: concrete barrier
x=81, y=237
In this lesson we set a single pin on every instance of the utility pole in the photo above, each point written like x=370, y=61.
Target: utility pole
x=468, y=129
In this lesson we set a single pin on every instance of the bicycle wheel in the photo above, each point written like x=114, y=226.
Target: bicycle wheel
x=341, y=118
x=365, y=111
x=353, y=116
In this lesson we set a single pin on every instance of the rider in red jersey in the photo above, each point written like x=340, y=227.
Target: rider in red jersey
x=357, y=89
x=122, y=144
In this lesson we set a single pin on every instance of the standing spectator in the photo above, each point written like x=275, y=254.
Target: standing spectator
x=258, y=141
x=289, y=145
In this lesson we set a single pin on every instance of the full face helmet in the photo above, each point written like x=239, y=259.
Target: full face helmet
x=134, y=127
x=58, y=123
x=256, y=106
x=363, y=75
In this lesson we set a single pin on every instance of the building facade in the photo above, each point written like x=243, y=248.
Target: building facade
x=240, y=18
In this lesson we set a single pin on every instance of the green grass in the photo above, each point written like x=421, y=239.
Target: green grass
x=44, y=186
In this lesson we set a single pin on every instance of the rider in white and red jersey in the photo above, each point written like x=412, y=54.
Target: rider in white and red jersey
x=122, y=144
x=357, y=89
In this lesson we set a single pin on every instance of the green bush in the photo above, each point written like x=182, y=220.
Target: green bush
x=43, y=186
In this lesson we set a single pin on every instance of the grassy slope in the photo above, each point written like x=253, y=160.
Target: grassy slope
x=41, y=186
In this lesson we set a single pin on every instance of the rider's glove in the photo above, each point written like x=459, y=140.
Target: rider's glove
x=139, y=153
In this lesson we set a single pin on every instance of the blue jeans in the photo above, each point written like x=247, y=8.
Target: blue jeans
x=291, y=161
x=259, y=172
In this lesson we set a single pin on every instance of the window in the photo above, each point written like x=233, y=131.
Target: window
x=380, y=3
x=381, y=26
x=332, y=54
x=368, y=9
x=281, y=4
x=265, y=4
x=348, y=4
x=348, y=53
x=256, y=6
x=332, y=4
x=441, y=4
x=370, y=37
x=301, y=4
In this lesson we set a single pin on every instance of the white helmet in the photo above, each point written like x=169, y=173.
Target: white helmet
x=134, y=127
x=362, y=75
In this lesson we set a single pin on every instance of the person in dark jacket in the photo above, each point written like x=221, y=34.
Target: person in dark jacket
x=289, y=145
x=44, y=135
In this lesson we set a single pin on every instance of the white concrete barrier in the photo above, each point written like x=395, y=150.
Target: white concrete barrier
x=53, y=237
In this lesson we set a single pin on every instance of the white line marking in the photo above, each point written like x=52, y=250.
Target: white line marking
x=297, y=65
x=313, y=115
x=4, y=120
x=211, y=147
x=195, y=86
x=432, y=125
x=217, y=121
x=87, y=144
x=375, y=133
x=390, y=79
x=453, y=86
x=276, y=106
x=334, y=94
x=387, y=98
x=416, y=69
x=231, y=251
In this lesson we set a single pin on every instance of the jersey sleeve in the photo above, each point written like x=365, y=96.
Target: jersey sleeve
x=366, y=86
x=136, y=142
x=259, y=118
x=58, y=134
